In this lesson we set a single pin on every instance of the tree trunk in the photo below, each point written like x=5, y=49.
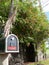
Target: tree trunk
x=11, y=19
x=11, y=8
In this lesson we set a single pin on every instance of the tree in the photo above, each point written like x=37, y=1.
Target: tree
x=31, y=24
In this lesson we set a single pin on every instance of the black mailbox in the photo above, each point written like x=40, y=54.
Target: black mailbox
x=12, y=44
x=2, y=45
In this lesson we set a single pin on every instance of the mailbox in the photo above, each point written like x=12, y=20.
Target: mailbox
x=2, y=45
x=12, y=44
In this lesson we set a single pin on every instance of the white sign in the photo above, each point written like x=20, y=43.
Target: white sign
x=12, y=44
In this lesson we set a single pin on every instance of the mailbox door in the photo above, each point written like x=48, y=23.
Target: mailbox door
x=12, y=44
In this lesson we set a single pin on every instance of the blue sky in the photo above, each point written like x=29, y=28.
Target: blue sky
x=47, y=14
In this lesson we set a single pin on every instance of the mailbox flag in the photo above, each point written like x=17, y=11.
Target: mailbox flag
x=11, y=48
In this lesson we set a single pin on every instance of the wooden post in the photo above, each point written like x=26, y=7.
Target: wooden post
x=4, y=59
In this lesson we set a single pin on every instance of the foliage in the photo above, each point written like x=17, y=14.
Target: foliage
x=4, y=11
x=43, y=47
x=31, y=25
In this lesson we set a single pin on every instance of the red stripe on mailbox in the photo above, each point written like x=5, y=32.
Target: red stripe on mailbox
x=11, y=48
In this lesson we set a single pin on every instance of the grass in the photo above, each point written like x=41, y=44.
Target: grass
x=44, y=62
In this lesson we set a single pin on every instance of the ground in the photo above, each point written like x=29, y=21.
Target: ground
x=44, y=62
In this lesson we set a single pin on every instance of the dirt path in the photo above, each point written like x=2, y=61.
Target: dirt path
x=27, y=63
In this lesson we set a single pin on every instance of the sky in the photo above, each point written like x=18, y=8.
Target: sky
x=45, y=7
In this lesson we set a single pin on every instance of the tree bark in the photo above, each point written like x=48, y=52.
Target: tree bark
x=11, y=8
x=11, y=19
